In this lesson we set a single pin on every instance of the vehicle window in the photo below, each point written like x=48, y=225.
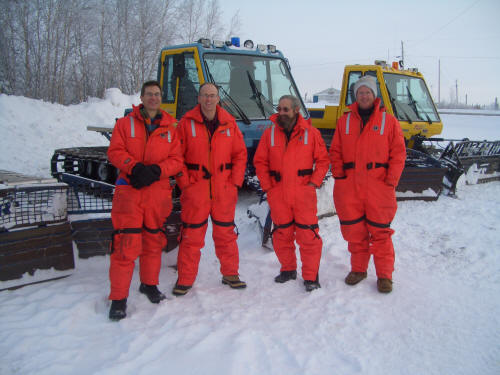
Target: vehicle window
x=253, y=84
x=353, y=78
x=411, y=100
x=169, y=84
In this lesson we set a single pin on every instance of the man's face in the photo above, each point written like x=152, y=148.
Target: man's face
x=286, y=114
x=365, y=97
x=151, y=98
x=208, y=99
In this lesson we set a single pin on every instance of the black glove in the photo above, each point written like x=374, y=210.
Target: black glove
x=144, y=175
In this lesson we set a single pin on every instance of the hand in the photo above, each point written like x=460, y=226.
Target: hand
x=311, y=184
x=144, y=175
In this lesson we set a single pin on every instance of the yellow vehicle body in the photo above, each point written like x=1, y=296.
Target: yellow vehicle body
x=396, y=88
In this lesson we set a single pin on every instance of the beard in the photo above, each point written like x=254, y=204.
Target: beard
x=286, y=122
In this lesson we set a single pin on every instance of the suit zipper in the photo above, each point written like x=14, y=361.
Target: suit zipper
x=209, y=162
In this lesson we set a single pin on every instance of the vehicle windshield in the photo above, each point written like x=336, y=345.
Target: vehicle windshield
x=410, y=98
x=250, y=84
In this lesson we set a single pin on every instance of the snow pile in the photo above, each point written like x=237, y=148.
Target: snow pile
x=33, y=129
x=442, y=317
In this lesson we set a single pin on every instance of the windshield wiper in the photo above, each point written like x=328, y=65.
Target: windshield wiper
x=414, y=104
x=238, y=109
x=257, y=97
x=394, y=105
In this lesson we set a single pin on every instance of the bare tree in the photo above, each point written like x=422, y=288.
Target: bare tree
x=67, y=50
x=212, y=20
x=234, y=25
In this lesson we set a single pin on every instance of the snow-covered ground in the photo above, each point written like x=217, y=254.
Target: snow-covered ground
x=443, y=316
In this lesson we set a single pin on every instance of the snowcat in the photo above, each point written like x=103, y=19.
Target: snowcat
x=433, y=165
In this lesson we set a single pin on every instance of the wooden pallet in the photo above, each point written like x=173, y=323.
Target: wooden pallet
x=25, y=251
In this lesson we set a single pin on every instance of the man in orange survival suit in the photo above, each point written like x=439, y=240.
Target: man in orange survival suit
x=146, y=150
x=368, y=156
x=291, y=162
x=215, y=160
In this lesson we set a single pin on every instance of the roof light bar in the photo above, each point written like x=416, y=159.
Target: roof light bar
x=206, y=43
x=261, y=47
x=235, y=41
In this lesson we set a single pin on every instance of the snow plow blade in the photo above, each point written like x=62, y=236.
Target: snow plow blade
x=422, y=177
x=479, y=160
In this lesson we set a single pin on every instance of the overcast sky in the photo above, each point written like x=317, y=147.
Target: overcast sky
x=319, y=37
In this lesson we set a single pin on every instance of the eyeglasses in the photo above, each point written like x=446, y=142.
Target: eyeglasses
x=209, y=96
x=155, y=94
x=283, y=109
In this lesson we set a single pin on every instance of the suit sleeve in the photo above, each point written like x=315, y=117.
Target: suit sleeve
x=336, y=157
x=321, y=159
x=118, y=153
x=261, y=162
x=238, y=157
x=397, y=155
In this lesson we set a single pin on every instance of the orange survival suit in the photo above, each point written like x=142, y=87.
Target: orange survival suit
x=285, y=168
x=138, y=214
x=367, y=164
x=214, y=168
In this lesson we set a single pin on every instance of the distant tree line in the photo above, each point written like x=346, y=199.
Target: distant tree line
x=68, y=50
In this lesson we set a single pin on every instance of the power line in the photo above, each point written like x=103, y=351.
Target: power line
x=447, y=24
x=459, y=57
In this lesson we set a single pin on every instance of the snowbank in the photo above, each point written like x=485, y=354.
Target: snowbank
x=33, y=129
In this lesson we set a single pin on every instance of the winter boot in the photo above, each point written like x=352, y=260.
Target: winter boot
x=384, y=285
x=152, y=292
x=311, y=285
x=355, y=277
x=285, y=276
x=180, y=290
x=234, y=282
x=118, y=309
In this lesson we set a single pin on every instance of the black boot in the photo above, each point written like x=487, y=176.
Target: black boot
x=118, y=309
x=285, y=276
x=311, y=285
x=152, y=292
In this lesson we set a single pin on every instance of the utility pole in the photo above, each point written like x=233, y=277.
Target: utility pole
x=456, y=91
x=439, y=81
x=402, y=56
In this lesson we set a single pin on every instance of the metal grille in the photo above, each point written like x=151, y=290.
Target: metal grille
x=22, y=206
x=86, y=195
x=469, y=149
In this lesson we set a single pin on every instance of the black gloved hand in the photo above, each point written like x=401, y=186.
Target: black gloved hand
x=144, y=175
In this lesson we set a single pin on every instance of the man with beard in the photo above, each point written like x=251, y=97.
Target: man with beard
x=291, y=161
x=368, y=156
